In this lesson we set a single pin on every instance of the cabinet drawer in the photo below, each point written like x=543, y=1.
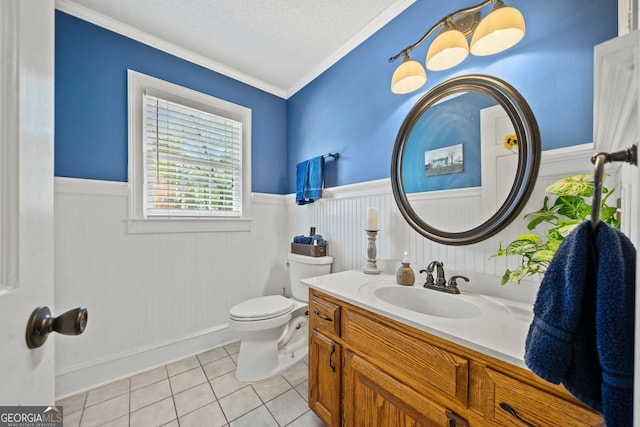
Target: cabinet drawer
x=532, y=404
x=426, y=368
x=324, y=315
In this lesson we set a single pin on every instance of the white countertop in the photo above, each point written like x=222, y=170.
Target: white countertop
x=498, y=330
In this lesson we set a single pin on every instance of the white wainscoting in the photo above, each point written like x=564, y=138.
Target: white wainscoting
x=340, y=217
x=155, y=298
x=151, y=298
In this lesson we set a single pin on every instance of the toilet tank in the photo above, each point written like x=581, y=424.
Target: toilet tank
x=302, y=267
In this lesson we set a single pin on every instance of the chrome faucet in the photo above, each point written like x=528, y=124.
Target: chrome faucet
x=439, y=283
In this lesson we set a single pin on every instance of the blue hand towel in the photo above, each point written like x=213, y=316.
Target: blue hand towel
x=302, y=173
x=314, y=183
x=309, y=180
x=582, y=334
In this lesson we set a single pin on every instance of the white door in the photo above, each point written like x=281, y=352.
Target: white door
x=635, y=235
x=26, y=197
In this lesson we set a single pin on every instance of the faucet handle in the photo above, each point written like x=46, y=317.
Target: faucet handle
x=429, y=280
x=452, y=281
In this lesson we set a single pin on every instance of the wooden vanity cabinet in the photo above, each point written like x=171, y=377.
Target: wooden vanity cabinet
x=325, y=361
x=370, y=370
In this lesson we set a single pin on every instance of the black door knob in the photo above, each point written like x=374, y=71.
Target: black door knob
x=41, y=324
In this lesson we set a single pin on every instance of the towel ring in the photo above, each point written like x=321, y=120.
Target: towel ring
x=630, y=155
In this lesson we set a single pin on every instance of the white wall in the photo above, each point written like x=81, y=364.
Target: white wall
x=151, y=298
x=154, y=298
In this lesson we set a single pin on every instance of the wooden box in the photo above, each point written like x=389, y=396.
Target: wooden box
x=308, y=250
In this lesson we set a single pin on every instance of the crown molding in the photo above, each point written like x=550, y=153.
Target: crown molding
x=118, y=27
x=367, y=31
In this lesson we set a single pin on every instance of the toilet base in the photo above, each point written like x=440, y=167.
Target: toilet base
x=285, y=361
x=261, y=357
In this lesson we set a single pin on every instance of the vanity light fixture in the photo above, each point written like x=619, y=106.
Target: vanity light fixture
x=501, y=29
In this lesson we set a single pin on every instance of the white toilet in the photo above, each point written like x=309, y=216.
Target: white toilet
x=273, y=329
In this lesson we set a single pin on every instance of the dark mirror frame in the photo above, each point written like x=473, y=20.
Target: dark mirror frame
x=529, y=154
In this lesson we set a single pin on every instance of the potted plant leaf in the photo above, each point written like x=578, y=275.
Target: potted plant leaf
x=569, y=209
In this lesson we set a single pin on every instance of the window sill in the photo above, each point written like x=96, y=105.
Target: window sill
x=186, y=225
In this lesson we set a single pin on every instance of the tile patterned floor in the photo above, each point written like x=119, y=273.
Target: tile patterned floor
x=198, y=391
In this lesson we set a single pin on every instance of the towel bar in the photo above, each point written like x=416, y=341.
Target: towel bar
x=335, y=156
x=630, y=155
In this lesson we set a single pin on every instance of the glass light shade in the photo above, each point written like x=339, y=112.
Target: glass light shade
x=498, y=31
x=409, y=76
x=448, y=50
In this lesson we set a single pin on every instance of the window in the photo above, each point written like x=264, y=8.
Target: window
x=192, y=161
x=189, y=159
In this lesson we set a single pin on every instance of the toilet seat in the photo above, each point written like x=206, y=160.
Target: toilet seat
x=261, y=308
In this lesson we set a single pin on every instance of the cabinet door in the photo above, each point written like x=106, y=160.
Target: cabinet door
x=325, y=369
x=374, y=399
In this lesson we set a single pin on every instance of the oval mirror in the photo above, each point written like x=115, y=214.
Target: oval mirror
x=456, y=173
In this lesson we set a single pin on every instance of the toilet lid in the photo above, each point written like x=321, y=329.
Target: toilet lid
x=261, y=308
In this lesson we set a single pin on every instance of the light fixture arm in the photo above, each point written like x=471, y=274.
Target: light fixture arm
x=449, y=18
x=407, y=50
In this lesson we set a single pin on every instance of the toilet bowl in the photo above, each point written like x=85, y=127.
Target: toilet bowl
x=273, y=329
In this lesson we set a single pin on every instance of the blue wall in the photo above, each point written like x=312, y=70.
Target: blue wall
x=91, y=104
x=451, y=122
x=350, y=109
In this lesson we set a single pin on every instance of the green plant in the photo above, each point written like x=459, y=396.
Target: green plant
x=567, y=212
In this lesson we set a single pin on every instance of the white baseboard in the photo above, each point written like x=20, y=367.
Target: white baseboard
x=83, y=377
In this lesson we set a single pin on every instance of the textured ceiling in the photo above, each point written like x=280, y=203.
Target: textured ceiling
x=282, y=43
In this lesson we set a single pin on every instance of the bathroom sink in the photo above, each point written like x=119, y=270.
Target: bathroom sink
x=425, y=301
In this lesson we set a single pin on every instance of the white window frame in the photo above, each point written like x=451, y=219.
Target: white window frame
x=138, y=84
x=627, y=16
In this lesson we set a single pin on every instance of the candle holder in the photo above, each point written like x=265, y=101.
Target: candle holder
x=371, y=267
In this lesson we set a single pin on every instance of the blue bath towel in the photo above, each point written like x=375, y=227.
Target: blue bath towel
x=582, y=334
x=309, y=180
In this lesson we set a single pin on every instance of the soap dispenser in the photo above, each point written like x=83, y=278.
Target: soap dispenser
x=405, y=275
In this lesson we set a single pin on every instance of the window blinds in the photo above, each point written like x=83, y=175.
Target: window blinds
x=193, y=161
